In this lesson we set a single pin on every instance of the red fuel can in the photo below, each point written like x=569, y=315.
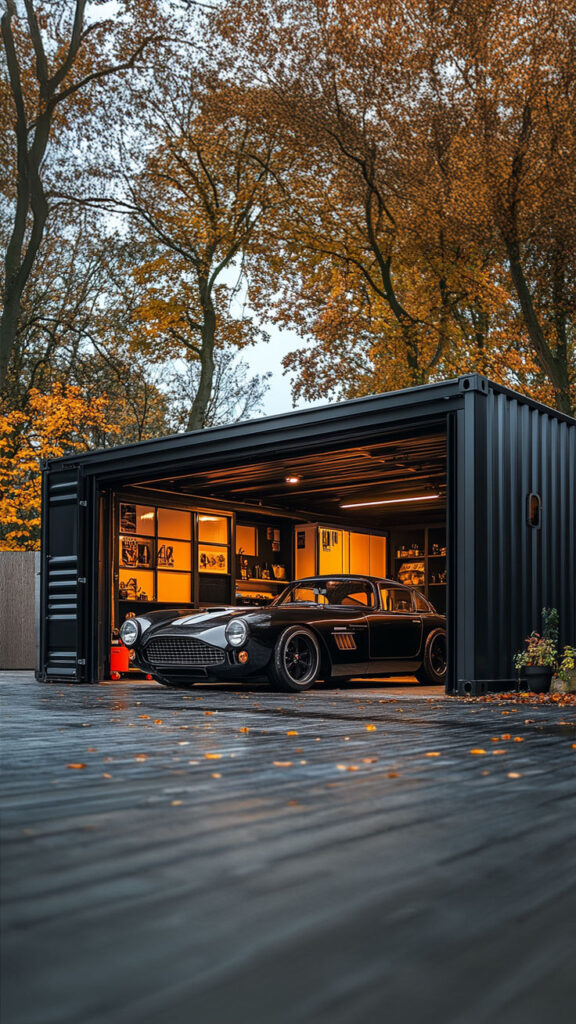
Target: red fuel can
x=119, y=658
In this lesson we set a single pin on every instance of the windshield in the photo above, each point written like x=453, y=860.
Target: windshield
x=329, y=592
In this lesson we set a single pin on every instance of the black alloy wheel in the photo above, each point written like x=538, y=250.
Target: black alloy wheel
x=434, y=664
x=296, y=660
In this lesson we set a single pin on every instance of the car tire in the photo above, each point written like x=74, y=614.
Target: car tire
x=296, y=660
x=433, y=668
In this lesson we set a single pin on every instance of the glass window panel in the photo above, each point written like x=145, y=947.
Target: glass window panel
x=212, y=559
x=395, y=600
x=174, y=554
x=173, y=522
x=174, y=587
x=139, y=519
x=213, y=529
x=246, y=540
x=136, y=586
x=136, y=552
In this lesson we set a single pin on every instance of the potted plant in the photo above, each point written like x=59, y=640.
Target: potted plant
x=566, y=670
x=539, y=659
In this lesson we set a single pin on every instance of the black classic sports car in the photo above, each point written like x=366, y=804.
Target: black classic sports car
x=327, y=627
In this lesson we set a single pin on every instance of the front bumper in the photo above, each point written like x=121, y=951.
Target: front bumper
x=155, y=660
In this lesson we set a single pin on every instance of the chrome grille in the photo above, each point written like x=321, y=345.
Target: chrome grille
x=182, y=650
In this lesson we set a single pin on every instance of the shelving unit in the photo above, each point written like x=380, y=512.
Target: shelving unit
x=419, y=560
x=259, y=547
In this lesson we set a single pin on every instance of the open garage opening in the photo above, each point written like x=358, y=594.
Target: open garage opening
x=237, y=533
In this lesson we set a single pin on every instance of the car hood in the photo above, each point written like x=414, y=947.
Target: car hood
x=213, y=616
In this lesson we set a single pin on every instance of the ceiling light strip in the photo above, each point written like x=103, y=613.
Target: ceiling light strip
x=391, y=501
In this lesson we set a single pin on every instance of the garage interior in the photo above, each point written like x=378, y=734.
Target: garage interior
x=239, y=534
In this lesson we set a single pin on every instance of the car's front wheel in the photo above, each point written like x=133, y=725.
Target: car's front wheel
x=296, y=660
x=433, y=668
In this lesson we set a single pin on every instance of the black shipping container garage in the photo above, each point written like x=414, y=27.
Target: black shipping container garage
x=463, y=488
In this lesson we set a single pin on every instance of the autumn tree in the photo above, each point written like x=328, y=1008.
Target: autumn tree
x=54, y=424
x=516, y=68
x=236, y=393
x=197, y=202
x=392, y=253
x=56, y=55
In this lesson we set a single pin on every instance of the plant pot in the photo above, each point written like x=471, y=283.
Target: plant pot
x=538, y=678
x=564, y=684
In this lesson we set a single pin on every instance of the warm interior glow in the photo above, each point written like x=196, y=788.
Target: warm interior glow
x=293, y=479
x=209, y=519
x=391, y=501
x=147, y=515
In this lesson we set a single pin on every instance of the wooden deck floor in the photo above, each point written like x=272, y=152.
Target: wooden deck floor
x=233, y=856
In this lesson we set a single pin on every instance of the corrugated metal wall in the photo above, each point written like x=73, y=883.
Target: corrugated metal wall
x=507, y=570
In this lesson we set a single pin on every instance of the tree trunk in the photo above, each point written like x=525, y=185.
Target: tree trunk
x=555, y=369
x=197, y=416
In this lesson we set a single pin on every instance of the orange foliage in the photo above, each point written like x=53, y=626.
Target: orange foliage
x=55, y=424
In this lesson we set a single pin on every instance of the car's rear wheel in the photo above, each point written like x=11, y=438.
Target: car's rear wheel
x=434, y=664
x=296, y=660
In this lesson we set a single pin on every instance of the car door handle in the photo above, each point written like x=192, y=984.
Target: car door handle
x=417, y=621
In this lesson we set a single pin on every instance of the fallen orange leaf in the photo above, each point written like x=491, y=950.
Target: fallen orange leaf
x=477, y=750
x=432, y=753
x=105, y=775
x=392, y=775
x=370, y=728
x=514, y=775
x=500, y=750
x=213, y=757
x=77, y=766
x=176, y=803
x=292, y=732
x=216, y=775
x=369, y=760
x=157, y=721
x=518, y=739
x=244, y=728
x=506, y=736
x=141, y=757
x=282, y=764
x=143, y=716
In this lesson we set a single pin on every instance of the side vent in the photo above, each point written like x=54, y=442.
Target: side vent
x=345, y=641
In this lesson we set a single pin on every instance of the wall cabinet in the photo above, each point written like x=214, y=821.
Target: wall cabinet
x=322, y=550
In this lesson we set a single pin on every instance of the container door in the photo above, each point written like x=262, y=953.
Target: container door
x=64, y=584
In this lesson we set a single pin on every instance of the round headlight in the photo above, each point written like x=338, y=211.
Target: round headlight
x=236, y=632
x=129, y=632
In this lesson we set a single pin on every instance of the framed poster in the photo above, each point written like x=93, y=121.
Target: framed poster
x=212, y=558
x=127, y=518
